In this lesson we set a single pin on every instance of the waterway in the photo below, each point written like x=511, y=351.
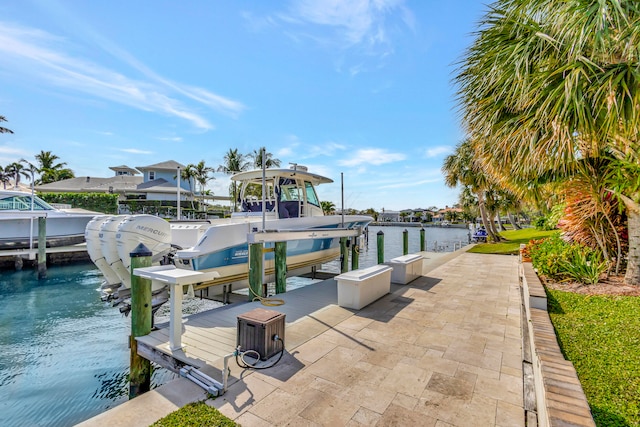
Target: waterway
x=63, y=352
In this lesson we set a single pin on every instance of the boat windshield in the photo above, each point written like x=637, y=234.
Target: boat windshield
x=19, y=202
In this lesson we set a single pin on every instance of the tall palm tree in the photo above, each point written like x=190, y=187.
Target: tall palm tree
x=50, y=169
x=269, y=161
x=462, y=168
x=546, y=84
x=5, y=177
x=188, y=173
x=234, y=162
x=3, y=129
x=17, y=170
x=201, y=174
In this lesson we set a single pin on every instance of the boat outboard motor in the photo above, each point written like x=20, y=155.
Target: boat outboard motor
x=152, y=231
x=110, y=251
x=94, y=249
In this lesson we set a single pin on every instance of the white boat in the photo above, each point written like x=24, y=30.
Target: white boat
x=19, y=213
x=290, y=203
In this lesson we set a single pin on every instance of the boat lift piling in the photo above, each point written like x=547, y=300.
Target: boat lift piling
x=380, y=243
x=280, y=238
x=423, y=243
x=141, y=320
x=355, y=253
x=405, y=242
x=42, y=247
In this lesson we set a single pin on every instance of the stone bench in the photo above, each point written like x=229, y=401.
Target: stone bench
x=406, y=268
x=359, y=288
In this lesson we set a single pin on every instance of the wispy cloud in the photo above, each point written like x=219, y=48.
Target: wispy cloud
x=48, y=58
x=359, y=25
x=437, y=151
x=410, y=183
x=136, y=151
x=172, y=138
x=10, y=154
x=372, y=156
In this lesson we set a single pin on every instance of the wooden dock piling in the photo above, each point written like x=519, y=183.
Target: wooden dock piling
x=344, y=255
x=355, y=254
x=380, y=243
x=405, y=242
x=281, y=267
x=141, y=319
x=42, y=247
x=255, y=270
x=422, y=240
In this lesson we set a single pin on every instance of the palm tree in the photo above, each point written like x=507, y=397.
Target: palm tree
x=50, y=169
x=17, y=170
x=269, y=161
x=546, y=84
x=328, y=208
x=462, y=168
x=188, y=174
x=3, y=129
x=5, y=177
x=201, y=173
x=234, y=162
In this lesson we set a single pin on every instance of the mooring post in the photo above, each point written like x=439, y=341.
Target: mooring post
x=405, y=242
x=423, y=243
x=42, y=247
x=380, y=244
x=355, y=254
x=141, y=319
x=344, y=255
x=281, y=267
x=255, y=270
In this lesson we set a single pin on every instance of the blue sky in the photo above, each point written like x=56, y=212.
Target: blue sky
x=356, y=87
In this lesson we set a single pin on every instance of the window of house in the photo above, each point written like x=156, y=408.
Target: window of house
x=152, y=175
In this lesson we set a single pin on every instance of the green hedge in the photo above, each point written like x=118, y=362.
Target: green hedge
x=98, y=202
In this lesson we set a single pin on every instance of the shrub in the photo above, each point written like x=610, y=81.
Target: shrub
x=560, y=260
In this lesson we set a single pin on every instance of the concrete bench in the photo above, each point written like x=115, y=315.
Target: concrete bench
x=406, y=268
x=359, y=288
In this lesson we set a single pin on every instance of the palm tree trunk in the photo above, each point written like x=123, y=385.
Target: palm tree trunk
x=632, y=277
x=513, y=222
x=484, y=216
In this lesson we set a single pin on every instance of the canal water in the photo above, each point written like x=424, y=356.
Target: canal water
x=64, y=353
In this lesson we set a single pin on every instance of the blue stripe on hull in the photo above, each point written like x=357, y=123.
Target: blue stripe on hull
x=240, y=254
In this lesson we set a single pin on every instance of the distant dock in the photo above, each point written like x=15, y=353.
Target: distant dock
x=17, y=259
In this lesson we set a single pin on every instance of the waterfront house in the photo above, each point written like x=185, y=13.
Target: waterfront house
x=158, y=183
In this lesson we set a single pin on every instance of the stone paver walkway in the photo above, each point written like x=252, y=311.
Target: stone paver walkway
x=442, y=351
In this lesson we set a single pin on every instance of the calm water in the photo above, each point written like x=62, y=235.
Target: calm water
x=63, y=353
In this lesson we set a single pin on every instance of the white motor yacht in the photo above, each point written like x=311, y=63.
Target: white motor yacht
x=19, y=213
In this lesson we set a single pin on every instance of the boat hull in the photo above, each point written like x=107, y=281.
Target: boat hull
x=224, y=248
x=15, y=233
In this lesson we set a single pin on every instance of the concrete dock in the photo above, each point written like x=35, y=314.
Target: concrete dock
x=445, y=350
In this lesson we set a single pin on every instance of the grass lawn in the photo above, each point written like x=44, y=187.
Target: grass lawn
x=601, y=336
x=514, y=239
x=197, y=414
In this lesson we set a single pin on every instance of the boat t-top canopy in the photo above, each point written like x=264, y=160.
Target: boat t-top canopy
x=256, y=176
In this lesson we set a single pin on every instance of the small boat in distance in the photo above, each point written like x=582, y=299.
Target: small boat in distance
x=19, y=213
